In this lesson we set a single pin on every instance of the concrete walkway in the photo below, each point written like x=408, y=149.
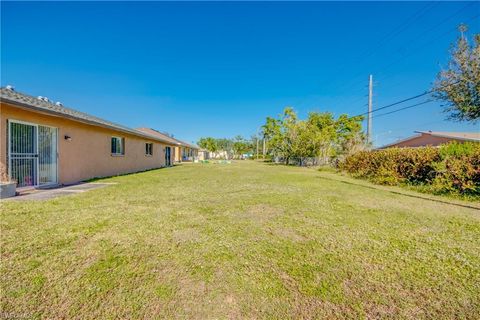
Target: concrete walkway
x=51, y=193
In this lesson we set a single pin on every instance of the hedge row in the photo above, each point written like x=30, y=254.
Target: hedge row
x=451, y=168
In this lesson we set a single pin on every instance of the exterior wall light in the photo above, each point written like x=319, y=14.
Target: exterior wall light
x=68, y=138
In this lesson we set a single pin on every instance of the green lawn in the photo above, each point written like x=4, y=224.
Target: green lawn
x=245, y=240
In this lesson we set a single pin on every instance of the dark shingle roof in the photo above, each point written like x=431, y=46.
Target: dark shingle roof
x=166, y=136
x=159, y=134
x=186, y=144
x=32, y=103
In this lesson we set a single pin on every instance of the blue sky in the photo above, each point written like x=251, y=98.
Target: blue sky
x=218, y=69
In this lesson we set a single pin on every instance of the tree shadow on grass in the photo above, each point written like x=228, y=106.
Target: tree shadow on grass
x=403, y=194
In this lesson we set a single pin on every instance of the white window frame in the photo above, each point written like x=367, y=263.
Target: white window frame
x=122, y=144
x=151, y=149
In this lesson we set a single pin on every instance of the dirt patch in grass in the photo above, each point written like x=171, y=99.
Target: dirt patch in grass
x=186, y=235
x=288, y=234
x=261, y=213
x=308, y=307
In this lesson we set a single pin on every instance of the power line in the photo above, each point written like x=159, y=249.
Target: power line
x=428, y=32
x=386, y=38
x=396, y=103
x=410, y=127
x=408, y=107
x=407, y=99
x=415, y=17
x=392, y=34
x=410, y=53
x=420, y=47
x=420, y=13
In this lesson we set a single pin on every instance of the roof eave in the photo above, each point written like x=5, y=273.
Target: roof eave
x=400, y=141
x=449, y=137
x=76, y=119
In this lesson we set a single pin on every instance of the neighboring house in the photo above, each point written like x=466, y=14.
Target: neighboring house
x=183, y=151
x=44, y=143
x=186, y=151
x=189, y=152
x=220, y=154
x=432, y=138
x=178, y=144
x=203, y=154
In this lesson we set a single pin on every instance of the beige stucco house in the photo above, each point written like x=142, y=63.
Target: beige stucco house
x=434, y=138
x=44, y=143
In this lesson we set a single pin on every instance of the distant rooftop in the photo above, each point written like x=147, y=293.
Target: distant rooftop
x=460, y=136
x=469, y=136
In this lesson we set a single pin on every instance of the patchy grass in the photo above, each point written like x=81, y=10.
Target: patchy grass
x=246, y=240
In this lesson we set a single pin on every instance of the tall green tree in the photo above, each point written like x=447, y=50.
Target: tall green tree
x=272, y=133
x=458, y=86
x=208, y=143
x=289, y=133
x=225, y=145
x=320, y=136
x=350, y=136
x=240, y=146
x=324, y=126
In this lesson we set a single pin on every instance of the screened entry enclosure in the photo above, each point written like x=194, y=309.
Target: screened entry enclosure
x=32, y=154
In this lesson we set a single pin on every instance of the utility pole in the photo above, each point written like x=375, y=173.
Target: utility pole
x=263, y=150
x=257, y=144
x=370, y=97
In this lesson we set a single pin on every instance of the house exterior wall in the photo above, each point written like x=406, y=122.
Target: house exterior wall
x=423, y=140
x=88, y=154
x=178, y=154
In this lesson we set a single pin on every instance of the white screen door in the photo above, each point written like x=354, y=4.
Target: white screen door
x=32, y=154
x=47, y=155
x=23, y=153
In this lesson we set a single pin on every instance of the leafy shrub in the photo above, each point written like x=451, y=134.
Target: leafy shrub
x=451, y=168
x=459, y=170
x=458, y=149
